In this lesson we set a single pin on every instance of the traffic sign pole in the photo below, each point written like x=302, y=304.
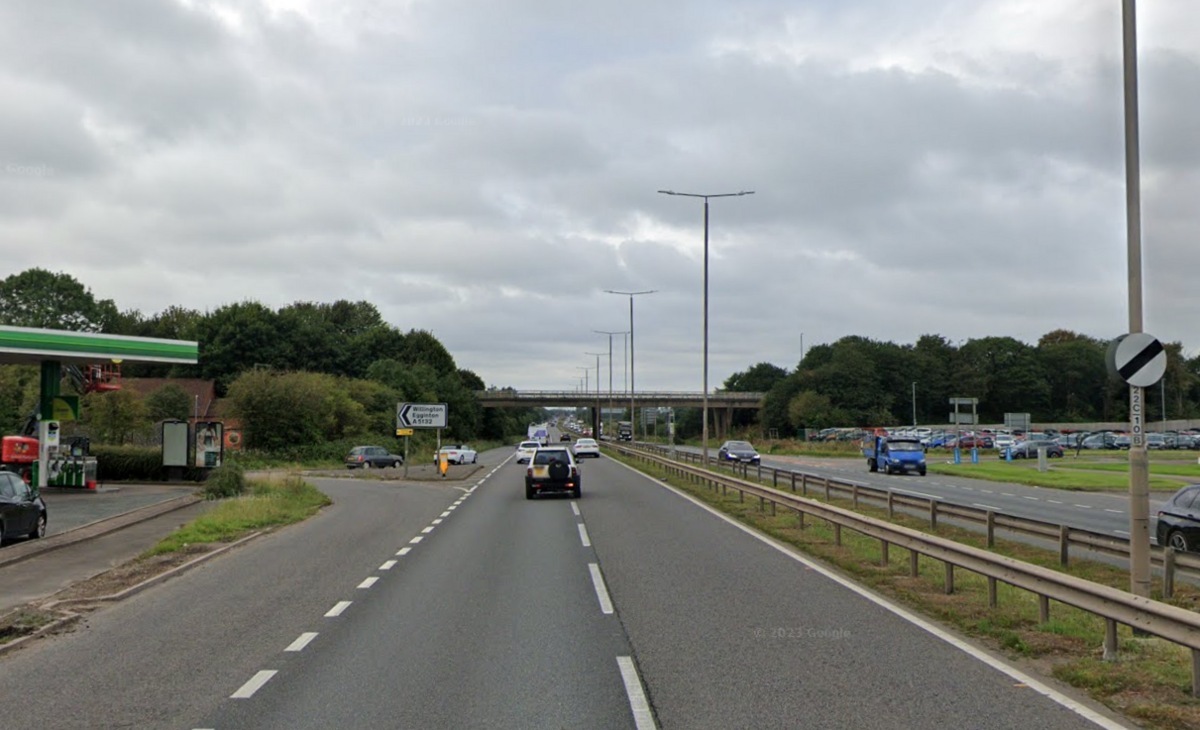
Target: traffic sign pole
x=1139, y=460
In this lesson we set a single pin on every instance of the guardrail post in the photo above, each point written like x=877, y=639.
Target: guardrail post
x=800, y=514
x=759, y=471
x=1168, y=573
x=949, y=578
x=793, y=482
x=891, y=505
x=1044, y=608
x=837, y=534
x=1110, y=640
x=883, y=552
x=933, y=514
x=741, y=495
x=827, y=489
x=1196, y=673
x=914, y=563
x=804, y=484
x=773, y=508
x=1064, y=545
x=762, y=505
x=993, y=596
x=991, y=529
x=775, y=478
x=854, y=495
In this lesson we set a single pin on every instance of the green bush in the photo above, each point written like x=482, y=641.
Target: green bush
x=228, y=480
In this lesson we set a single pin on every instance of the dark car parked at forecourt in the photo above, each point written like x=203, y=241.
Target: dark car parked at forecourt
x=1179, y=520
x=372, y=457
x=21, y=512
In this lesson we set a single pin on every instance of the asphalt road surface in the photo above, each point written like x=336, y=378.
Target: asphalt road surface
x=430, y=606
x=1102, y=512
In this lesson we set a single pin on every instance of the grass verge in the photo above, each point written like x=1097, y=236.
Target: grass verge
x=1060, y=476
x=267, y=503
x=1150, y=683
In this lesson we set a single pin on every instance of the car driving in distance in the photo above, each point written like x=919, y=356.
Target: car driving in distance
x=587, y=447
x=457, y=454
x=552, y=469
x=372, y=457
x=22, y=513
x=739, y=451
x=526, y=449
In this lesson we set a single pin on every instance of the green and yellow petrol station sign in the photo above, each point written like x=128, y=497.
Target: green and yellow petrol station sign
x=60, y=408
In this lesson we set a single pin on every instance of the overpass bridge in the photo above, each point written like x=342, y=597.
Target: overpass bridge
x=721, y=404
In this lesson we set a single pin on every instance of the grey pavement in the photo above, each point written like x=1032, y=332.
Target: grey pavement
x=71, y=508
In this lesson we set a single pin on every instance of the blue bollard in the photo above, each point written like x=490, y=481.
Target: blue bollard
x=1008, y=455
x=957, y=455
x=974, y=455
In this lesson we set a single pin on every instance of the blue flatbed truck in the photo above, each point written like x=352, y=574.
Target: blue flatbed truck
x=894, y=454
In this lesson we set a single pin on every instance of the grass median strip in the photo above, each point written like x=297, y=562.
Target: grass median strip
x=1151, y=682
x=1060, y=476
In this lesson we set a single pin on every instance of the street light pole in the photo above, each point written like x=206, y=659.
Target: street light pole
x=914, y=404
x=632, y=347
x=610, y=369
x=599, y=413
x=704, y=401
x=1139, y=459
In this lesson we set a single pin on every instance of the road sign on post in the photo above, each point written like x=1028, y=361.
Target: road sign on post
x=1139, y=359
x=421, y=415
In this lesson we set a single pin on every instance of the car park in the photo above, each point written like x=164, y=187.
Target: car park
x=739, y=451
x=22, y=511
x=553, y=470
x=525, y=450
x=1179, y=520
x=457, y=454
x=587, y=447
x=372, y=457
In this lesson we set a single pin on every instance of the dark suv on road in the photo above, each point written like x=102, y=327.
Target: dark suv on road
x=372, y=457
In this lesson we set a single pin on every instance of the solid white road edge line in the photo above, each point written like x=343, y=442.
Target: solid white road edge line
x=304, y=640
x=583, y=535
x=642, y=717
x=972, y=651
x=247, y=690
x=606, y=605
x=368, y=582
x=338, y=608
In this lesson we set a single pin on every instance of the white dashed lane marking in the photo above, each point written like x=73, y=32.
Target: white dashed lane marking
x=303, y=641
x=256, y=683
x=606, y=605
x=583, y=535
x=404, y=551
x=338, y=608
x=368, y=582
x=388, y=565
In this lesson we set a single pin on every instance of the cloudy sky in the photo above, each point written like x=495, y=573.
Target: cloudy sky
x=485, y=170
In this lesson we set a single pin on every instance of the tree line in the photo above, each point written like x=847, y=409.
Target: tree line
x=857, y=381
x=297, y=374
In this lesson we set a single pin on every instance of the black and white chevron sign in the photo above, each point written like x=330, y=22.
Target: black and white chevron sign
x=1139, y=359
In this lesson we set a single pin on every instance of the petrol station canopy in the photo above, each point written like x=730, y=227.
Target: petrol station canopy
x=25, y=345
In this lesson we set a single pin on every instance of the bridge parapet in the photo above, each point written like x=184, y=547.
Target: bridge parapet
x=647, y=399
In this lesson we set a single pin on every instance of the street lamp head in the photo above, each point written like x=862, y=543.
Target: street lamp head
x=631, y=293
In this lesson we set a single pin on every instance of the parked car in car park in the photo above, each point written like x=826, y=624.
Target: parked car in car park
x=1028, y=449
x=1179, y=520
x=22, y=513
x=372, y=457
